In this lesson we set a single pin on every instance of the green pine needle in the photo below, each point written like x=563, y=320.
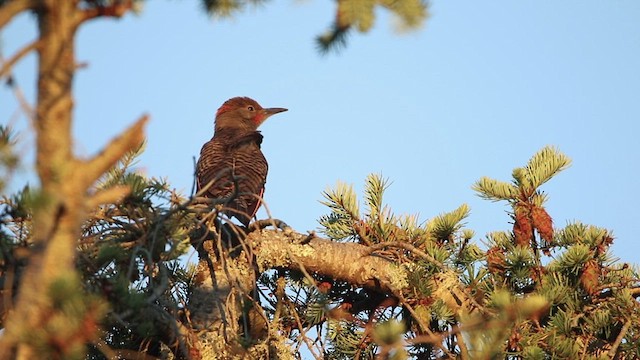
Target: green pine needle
x=495, y=190
x=445, y=225
x=572, y=260
x=342, y=200
x=345, y=211
x=545, y=164
x=375, y=186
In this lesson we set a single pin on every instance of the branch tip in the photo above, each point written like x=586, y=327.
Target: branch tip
x=114, y=151
x=111, y=195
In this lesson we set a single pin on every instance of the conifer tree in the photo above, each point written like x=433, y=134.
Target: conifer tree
x=90, y=260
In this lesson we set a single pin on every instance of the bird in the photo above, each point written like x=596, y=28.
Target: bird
x=231, y=165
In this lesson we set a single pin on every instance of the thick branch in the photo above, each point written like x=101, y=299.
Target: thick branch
x=107, y=158
x=12, y=8
x=108, y=196
x=349, y=262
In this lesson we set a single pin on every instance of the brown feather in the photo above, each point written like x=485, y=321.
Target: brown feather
x=226, y=157
x=232, y=158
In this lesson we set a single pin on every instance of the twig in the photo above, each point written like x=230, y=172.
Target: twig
x=405, y=246
x=421, y=323
x=8, y=64
x=26, y=108
x=312, y=235
x=464, y=351
x=616, y=344
x=261, y=224
x=303, y=332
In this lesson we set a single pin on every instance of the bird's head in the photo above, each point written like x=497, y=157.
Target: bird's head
x=243, y=113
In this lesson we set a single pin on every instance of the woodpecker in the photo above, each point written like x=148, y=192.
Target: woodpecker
x=233, y=158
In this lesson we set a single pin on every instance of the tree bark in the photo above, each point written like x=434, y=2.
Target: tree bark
x=351, y=262
x=61, y=202
x=223, y=284
x=58, y=213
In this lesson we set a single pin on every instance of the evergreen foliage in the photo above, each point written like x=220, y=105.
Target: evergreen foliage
x=119, y=288
x=350, y=14
x=505, y=300
x=560, y=295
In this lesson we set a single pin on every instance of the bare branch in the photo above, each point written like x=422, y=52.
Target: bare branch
x=14, y=7
x=26, y=108
x=349, y=262
x=108, y=196
x=261, y=224
x=98, y=165
x=408, y=247
x=7, y=65
x=115, y=10
x=616, y=344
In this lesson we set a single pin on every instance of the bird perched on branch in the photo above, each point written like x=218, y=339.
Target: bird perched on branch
x=231, y=165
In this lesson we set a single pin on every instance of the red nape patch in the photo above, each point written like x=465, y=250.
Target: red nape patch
x=224, y=108
x=235, y=103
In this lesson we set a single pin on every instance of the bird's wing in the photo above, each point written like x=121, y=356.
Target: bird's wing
x=214, y=166
x=228, y=162
x=251, y=168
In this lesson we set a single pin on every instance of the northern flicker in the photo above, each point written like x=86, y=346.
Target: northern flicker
x=233, y=158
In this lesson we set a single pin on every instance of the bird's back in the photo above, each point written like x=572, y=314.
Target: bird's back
x=229, y=160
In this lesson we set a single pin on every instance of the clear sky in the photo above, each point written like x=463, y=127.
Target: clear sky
x=476, y=92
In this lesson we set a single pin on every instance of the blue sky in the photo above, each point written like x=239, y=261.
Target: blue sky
x=475, y=92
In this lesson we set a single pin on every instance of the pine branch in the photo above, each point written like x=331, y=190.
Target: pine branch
x=408, y=247
x=334, y=39
x=222, y=8
x=349, y=262
x=374, y=189
x=111, y=195
x=495, y=190
x=357, y=13
x=445, y=225
x=94, y=168
x=411, y=13
x=545, y=164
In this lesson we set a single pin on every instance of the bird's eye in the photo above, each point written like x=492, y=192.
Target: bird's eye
x=250, y=108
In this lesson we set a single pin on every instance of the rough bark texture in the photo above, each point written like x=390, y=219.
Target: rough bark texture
x=349, y=262
x=64, y=179
x=223, y=284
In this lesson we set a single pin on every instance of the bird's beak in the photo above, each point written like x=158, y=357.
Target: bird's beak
x=265, y=113
x=270, y=111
